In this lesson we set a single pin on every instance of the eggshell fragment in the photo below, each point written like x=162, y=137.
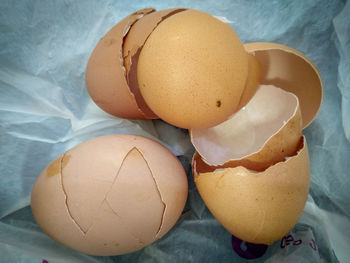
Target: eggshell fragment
x=261, y=134
x=105, y=73
x=110, y=195
x=291, y=70
x=192, y=70
x=258, y=207
x=132, y=46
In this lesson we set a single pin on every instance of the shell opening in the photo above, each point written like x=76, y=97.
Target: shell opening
x=248, y=130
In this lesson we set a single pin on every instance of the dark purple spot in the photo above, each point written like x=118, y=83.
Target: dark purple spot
x=248, y=250
x=45, y=261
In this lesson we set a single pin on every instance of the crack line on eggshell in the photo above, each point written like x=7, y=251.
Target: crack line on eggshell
x=159, y=194
x=66, y=198
x=123, y=223
x=107, y=192
x=105, y=199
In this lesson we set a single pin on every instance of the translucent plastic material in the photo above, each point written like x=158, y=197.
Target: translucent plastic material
x=45, y=110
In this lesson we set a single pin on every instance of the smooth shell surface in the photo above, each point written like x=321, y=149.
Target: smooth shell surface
x=192, y=70
x=110, y=195
x=258, y=207
x=105, y=73
x=262, y=133
x=291, y=70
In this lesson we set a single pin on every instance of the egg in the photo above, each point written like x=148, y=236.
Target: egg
x=192, y=70
x=253, y=170
x=256, y=163
x=291, y=70
x=110, y=195
x=257, y=207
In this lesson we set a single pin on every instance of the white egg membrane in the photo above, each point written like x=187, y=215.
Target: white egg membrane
x=247, y=131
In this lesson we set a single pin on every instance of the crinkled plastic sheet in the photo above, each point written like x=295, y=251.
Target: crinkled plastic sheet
x=45, y=110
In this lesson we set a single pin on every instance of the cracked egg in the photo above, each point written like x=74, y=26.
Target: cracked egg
x=257, y=207
x=110, y=195
x=181, y=65
x=253, y=170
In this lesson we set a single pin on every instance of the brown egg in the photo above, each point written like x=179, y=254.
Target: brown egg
x=291, y=70
x=110, y=195
x=258, y=207
x=255, y=163
x=192, y=70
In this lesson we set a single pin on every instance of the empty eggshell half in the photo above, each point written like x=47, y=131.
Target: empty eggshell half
x=292, y=71
x=110, y=195
x=258, y=207
x=192, y=70
x=261, y=134
x=106, y=75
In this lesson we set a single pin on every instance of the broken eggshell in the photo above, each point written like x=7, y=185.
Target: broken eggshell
x=110, y=195
x=261, y=134
x=106, y=75
x=132, y=45
x=292, y=71
x=257, y=207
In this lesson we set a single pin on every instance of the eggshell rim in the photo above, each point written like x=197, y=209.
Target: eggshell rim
x=302, y=146
x=297, y=107
x=263, y=46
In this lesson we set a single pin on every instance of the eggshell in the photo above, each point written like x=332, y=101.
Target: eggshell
x=105, y=72
x=261, y=134
x=192, y=70
x=110, y=195
x=132, y=46
x=291, y=70
x=258, y=207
